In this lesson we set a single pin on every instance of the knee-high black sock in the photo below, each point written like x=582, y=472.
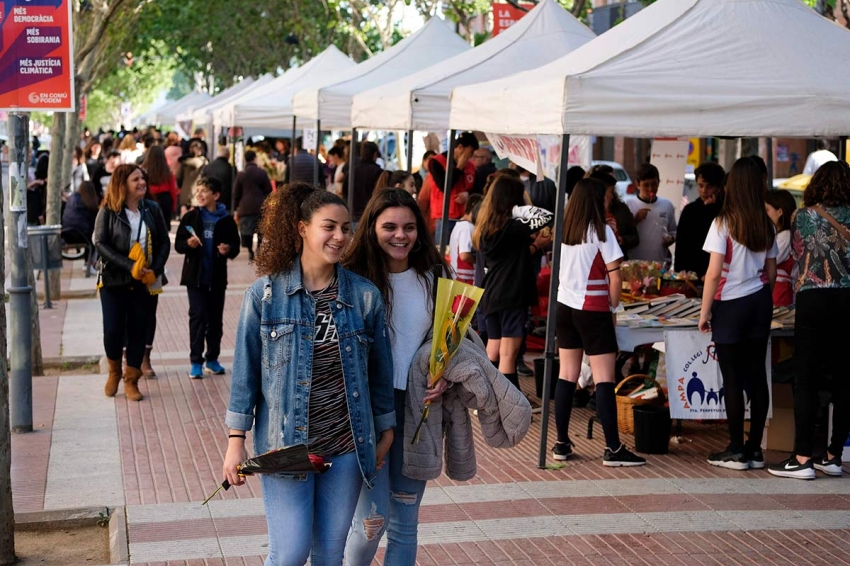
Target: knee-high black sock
x=513, y=379
x=606, y=410
x=564, y=392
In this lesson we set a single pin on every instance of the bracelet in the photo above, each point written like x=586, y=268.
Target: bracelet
x=236, y=436
x=615, y=269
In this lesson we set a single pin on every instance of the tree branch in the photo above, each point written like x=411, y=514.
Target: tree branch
x=519, y=6
x=845, y=11
x=96, y=33
x=578, y=7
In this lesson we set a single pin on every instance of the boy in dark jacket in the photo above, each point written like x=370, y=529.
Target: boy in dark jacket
x=208, y=237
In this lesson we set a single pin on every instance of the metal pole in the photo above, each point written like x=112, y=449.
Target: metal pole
x=842, y=148
x=318, y=143
x=410, y=151
x=20, y=313
x=44, y=266
x=447, y=193
x=292, y=150
x=769, y=163
x=560, y=205
x=352, y=149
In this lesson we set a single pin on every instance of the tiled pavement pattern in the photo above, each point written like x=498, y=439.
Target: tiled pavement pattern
x=162, y=456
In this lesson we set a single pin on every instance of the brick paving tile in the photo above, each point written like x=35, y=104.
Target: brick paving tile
x=31, y=451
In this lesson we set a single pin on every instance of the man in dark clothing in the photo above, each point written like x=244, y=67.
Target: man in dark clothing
x=696, y=220
x=484, y=167
x=366, y=174
x=221, y=169
x=463, y=181
x=542, y=193
x=250, y=191
x=302, y=166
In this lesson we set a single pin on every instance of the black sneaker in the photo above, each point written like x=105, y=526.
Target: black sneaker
x=621, y=458
x=791, y=468
x=562, y=450
x=755, y=459
x=523, y=370
x=829, y=467
x=730, y=460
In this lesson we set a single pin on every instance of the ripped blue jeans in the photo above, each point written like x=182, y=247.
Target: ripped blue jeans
x=391, y=506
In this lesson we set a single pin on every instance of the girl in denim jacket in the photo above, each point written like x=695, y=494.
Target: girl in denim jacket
x=312, y=366
x=393, y=249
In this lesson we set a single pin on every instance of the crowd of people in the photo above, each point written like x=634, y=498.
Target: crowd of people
x=328, y=333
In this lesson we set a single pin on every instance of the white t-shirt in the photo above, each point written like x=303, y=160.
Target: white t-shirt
x=816, y=159
x=743, y=269
x=135, y=219
x=583, y=277
x=410, y=320
x=461, y=242
x=660, y=222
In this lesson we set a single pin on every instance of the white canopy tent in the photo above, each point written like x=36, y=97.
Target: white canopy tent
x=331, y=104
x=422, y=101
x=186, y=114
x=203, y=116
x=767, y=73
x=167, y=113
x=270, y=106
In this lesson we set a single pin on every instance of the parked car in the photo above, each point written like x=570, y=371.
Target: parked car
x=796, y=185
x=624, y=182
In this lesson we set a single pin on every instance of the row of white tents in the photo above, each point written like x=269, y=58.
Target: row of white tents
x=695, y=68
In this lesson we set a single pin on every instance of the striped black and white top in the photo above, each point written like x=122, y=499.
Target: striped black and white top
x=329, y=420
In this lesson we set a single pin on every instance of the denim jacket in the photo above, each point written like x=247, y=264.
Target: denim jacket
x=272, y=365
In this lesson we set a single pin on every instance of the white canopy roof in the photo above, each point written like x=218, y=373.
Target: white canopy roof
x=214, y=102
x=682, y=68
x=270, y=106
x=331, y=104
x=167, y=113
x=422, y=100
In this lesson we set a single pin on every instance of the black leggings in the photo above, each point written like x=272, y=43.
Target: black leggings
x=125, y=313
x=743, y=367
x=820, y=340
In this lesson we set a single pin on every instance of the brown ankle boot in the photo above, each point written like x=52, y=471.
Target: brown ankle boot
x=113, y=379
x=131, y=384
x=147, y=370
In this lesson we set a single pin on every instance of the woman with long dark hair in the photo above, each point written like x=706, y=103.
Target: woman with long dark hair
x=162, y=184
x=313, y=366
x=588, y=291
x=737, y=307
x=393, y=249
x=79, y=216
x=508, y=234
x=780, y=208
x=821, y=247
x=125, y=218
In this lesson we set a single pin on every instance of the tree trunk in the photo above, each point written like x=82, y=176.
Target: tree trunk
x=7, y=512
x=37, y=360
x=54, y=192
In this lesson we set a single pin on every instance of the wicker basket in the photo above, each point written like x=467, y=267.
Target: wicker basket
x=625, y=415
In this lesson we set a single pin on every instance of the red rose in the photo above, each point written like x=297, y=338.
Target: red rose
x=462, y=306
x=318, y=462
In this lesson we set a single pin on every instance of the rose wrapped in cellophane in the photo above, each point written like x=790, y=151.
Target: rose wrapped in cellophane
x=453, y=311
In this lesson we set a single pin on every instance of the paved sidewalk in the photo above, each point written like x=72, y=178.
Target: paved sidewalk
x=162, y=456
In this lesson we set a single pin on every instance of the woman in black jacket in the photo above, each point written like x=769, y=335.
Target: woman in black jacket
x=126, y=217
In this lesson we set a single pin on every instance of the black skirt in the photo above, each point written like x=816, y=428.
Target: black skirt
x=745, y=318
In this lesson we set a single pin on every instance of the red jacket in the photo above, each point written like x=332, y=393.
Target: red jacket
x=436, y=180
x=169, y=186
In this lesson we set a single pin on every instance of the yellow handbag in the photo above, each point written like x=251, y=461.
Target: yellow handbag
x=137, y=254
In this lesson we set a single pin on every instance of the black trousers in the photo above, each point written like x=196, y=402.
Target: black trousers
x=206, y=309
x=150, y=333
x=820, y=342
x=743, y=367
x=166, y=204
x=125, y=314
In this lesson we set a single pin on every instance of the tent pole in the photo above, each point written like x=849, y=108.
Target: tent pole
x=842, y=148
x=352, y=149
x=558, y=237
x=316, y=162
x=292, y=150
x=447, y=193
x=769, y=161
x=410, y=151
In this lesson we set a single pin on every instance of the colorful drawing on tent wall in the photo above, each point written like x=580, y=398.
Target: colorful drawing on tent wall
x=36, y=66
x=506, y=15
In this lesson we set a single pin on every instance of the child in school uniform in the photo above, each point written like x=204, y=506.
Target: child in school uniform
x=780, y=207
x=461, y=250
x=208, y=237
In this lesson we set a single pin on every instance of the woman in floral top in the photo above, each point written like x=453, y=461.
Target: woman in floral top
x=821, y=247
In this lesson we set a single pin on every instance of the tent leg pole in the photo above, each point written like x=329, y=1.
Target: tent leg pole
x=352, y=150
x=560, y=205
x=769, y=161
x=292, y=151
x=316, y=162
x=447, y=193
x=410, y=151
x=842, y=148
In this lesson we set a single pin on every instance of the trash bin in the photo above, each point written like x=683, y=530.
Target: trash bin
x=652, y=429
x=539, y=368
x=45, y=245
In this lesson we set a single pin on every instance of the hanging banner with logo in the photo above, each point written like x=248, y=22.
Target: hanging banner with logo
x=550, y=153
x=522, y=150
x=36, y=66
x=670, y=156
x=506, y=15
x=694, y=382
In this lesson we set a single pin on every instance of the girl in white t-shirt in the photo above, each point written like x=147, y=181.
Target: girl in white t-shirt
x=737, y=308
x=780, y=208
x=588, y=290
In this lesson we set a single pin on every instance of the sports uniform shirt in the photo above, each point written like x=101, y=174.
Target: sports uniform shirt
x=461, y=242
x=743, y=269
x=583, y=278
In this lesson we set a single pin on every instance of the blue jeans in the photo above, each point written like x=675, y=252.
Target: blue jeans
x=395, y=496
x=311, y=518
x=451, y=226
